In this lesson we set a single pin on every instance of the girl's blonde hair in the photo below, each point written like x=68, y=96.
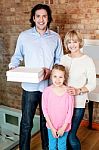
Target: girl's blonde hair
x=62, y=68
x=75, y=36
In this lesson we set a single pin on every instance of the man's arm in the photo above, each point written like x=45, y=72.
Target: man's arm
x=17, y=56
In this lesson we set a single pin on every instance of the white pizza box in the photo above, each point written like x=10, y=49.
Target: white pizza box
x=23, y=74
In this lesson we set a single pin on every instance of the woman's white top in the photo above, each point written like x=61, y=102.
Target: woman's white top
x=81, y=73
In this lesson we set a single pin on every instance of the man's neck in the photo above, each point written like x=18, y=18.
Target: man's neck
x=41, y=32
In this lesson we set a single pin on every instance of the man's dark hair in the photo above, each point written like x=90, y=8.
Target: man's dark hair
x=38, y=7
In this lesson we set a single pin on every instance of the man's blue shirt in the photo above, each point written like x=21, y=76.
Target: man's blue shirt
x=37, y=51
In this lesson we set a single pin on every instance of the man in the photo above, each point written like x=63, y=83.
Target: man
x=38, y=47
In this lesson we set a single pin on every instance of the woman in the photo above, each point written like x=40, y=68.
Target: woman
x=82, y=79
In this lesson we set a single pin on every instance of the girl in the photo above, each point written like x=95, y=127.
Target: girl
x=57, y=107
x=82, y=79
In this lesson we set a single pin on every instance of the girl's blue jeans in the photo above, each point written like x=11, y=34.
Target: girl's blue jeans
x=57, y=143
x=73, y=142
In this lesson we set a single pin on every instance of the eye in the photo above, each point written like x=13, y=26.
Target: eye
x=75, y=41
x=69, y=42
x=60, y=77
x=37, y=16
x=54, y=76
x=45, y=16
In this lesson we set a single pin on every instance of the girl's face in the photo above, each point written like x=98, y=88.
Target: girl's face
x=57, y=77
x=73, y=46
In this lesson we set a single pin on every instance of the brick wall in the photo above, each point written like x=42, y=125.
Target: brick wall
x=2, y=48
x=82, y=15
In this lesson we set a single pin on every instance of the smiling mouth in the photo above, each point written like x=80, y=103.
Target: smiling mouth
x=73, y=48
x=41, y=23
x=57, y=83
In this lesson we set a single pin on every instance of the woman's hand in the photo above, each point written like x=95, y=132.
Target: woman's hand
x=73, y=91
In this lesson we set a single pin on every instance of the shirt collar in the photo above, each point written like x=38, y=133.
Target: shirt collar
x=35, y=31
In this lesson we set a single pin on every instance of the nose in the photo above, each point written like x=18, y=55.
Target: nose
x=41, y=18
x=72, y=43
x=57, y=80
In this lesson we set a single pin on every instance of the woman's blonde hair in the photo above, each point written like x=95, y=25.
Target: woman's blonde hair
x=75, y=36
x=61, y=68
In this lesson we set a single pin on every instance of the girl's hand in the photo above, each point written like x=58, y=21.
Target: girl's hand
x=60, y=132
x=54, y=132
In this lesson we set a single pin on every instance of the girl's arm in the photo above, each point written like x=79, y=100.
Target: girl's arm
x=54, y=131
x=45, y=112
x=68, y=115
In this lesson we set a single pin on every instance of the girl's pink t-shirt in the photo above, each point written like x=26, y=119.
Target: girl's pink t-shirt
x=58, y=108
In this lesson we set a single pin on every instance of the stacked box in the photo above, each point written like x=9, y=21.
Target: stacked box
x=23, y=74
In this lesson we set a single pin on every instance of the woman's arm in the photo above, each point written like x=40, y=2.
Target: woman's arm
x=77, y=91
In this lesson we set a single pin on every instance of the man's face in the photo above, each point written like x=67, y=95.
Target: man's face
x=41, y=20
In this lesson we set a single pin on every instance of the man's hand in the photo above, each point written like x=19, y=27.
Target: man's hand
x=47, y=73
x=12, y=68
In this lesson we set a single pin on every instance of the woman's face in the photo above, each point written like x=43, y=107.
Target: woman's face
x=73, y=46
x=57, y=77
